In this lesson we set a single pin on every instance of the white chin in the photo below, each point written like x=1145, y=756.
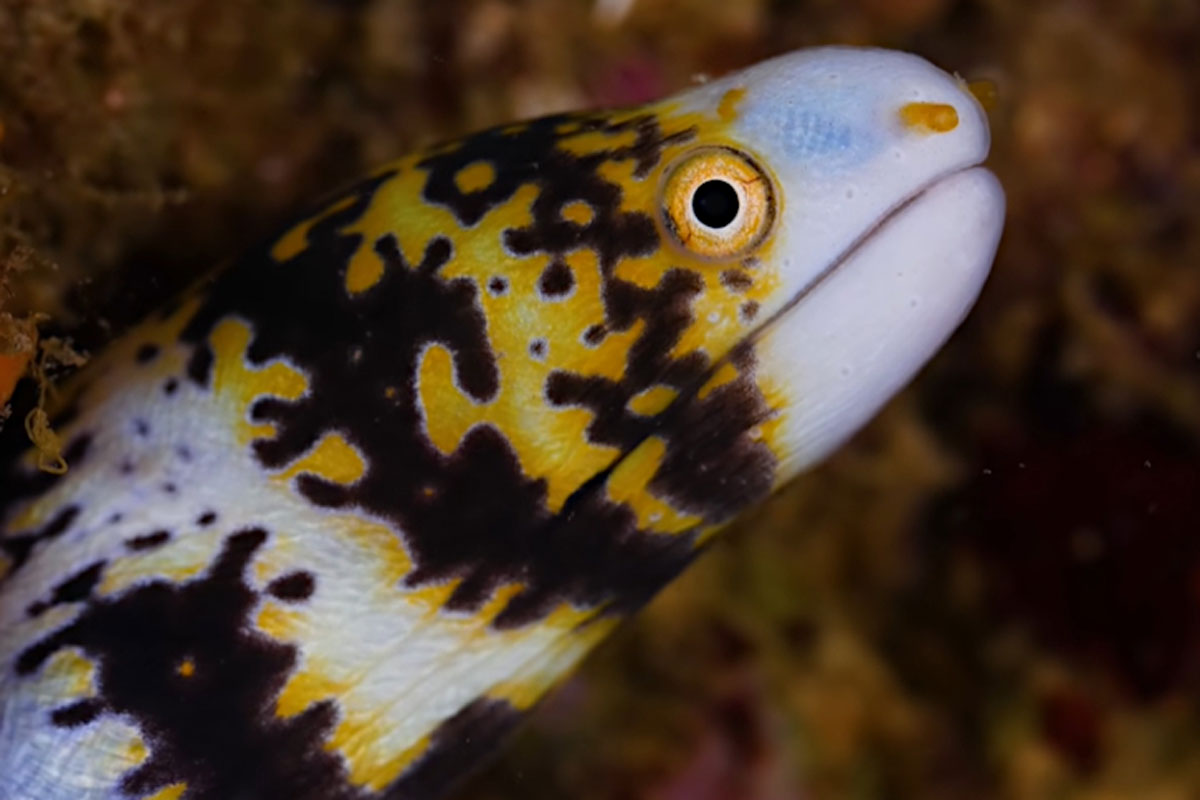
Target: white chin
x=866, y=329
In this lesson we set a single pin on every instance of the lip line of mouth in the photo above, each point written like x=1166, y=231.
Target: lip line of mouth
x=853, y=248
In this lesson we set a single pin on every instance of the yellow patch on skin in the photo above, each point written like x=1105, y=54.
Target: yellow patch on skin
x=296, y=239
x=390, y=205
x=333, y=458
x=644, y=272
x=356, y=738
x=727, y=109
x=389, y=556
x=238, y=383
x=186, y=668
x=364, y=271
x=172, y=792
x=136, y=752
x=446, y=422
x=587, y=142
x=651, y=401
x=497, y=602
x=638, y=194
x=71, y=673
x=628, y=484
x=557, y=451
x=769, y=432
x=718, y=323
x=929, y=117
x=117, y=579
x=726, y=373
x=181, y=560
x=705, y=534
x=304, y=688
x=362, y=735
x=579, y=212
x=375, y=771
x=475, y=177
x=609, y=359
x=279, y=622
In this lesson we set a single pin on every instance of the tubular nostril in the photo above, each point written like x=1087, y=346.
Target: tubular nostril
x=929, y=117
x=985, y=92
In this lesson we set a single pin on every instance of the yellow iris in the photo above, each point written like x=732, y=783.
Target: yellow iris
x=717, y=203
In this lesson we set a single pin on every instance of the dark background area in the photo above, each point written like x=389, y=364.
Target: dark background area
x=993, y=592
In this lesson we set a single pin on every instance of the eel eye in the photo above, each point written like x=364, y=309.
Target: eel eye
x=717, y=203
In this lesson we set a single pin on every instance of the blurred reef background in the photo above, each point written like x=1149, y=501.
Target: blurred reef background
x=993, y=592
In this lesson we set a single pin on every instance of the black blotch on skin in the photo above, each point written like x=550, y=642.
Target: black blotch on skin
x=146, y=353
x=170, y=488
x=749, y=310
x=79, y=586
x=115, y=518
x=220, y=735
x=206, y=519
x=498, y=285
x=456, y=746
x=141, y=427
x=557, y=280
x=594, y=335
x=75, y=714
x=74, y=589
x=537, y=348
x=199, y=365
x=713, y=467
x=184, y=452
x=170, y=386
x=19, y=548
x=736, y=281
x=148, y=541
x=293, y=587
x=598, y=545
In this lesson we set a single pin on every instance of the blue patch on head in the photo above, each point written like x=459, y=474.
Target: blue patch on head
x=823, y=130
x=807, y=133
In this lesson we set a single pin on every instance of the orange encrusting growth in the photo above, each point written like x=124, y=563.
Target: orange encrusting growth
x=12, y=367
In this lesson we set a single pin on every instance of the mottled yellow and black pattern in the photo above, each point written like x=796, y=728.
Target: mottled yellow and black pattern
x=337, y=517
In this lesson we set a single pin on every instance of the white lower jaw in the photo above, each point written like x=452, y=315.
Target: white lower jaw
x=866, y=329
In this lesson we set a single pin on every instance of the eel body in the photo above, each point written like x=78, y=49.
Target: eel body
x=336, y=518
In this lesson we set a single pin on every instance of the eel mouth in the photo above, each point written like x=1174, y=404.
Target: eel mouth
x=906, y=204
x=864, y=327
